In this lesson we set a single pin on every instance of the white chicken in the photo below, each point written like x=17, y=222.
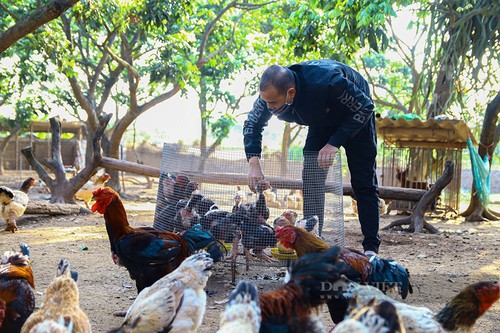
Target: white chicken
x=14, y=202
x=242, y=313
x=175, y=303
x=458, y=315
x=85, y=192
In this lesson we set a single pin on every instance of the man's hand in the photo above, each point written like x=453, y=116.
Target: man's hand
x=325, y=156
x=255, y=173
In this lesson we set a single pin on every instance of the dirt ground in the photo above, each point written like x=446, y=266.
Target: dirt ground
x=440, y=265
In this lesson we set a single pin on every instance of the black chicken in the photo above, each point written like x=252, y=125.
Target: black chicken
x=256, y=234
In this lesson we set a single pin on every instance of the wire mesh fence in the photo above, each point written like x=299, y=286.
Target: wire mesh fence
x=221, y=179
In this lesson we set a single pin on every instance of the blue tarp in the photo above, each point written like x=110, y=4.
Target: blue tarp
x=480, y=174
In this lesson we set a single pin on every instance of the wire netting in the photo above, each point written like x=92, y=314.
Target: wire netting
x=222, y=177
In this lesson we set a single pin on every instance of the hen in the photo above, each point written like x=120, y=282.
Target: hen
x=373, y=318
x=52, y=326
x=458, y=315
x=85, y=192
x=242, y=313
x=385, y=274
x=61, y=300
x=147, y=253
x=256, y=234
x=173, y=194
x=175, y=303
x=17, y=298
x=14, y=202
x=291, y=308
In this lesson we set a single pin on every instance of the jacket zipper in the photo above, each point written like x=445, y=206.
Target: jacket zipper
x=298, y=115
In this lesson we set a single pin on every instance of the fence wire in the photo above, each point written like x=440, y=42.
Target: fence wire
x=221, y=178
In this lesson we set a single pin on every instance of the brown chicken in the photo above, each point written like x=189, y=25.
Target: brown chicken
x=61, y=300
x=147, y=253
x=382, y=273
x=14, y=202
x=85, y=192
x=17, y=298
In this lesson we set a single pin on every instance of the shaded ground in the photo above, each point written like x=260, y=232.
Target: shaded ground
x=440, y=265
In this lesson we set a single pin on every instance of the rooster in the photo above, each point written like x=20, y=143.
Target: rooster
x=175, y=303
x=242, y=313
x=291, y=308
x=61, y=300
x=383, y=273
x=458, y=315
x=17, y=298
x=14, y=202
x=147, y=253
x=85, y=192
x=373, y=318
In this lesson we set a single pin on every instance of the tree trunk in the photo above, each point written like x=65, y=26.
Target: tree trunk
x=416, y=220
x=487, y=144
x=63, y=190
x=442, y=91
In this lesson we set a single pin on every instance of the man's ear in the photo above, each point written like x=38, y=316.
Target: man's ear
x=291, y=92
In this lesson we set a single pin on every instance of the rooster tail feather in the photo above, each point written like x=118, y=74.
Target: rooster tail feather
x=316, y=273
x=198, y=239
x=386, y=274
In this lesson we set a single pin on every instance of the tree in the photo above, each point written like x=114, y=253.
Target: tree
x=63, y=190
x=32, y=21
x=490, y=135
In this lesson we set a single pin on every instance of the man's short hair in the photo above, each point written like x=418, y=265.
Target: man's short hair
x=277, y=76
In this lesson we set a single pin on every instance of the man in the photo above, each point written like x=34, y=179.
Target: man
x=333, y=100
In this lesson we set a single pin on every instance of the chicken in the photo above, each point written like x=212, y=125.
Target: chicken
x=288, y=217
x=458, y=315
x=294, y=200
x=52, y=326
x=382, y=206
x=187, y=216
x=17, y=298
x=291, y=308
x=61, y=300
x=14, y=202
x=385, y=274
x=373, y=318
x=272, y=198
x=85, y=192
x=175, y=303
x=242, y=313
x=174, y=193
x=239, y=199
x=224, y=226
x=147, y=253
x=256, y=234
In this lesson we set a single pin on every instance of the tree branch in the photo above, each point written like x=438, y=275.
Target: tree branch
x=33, y=21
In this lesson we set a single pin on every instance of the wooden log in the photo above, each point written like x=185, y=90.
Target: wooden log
x=385, y=192
x=46, y=208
